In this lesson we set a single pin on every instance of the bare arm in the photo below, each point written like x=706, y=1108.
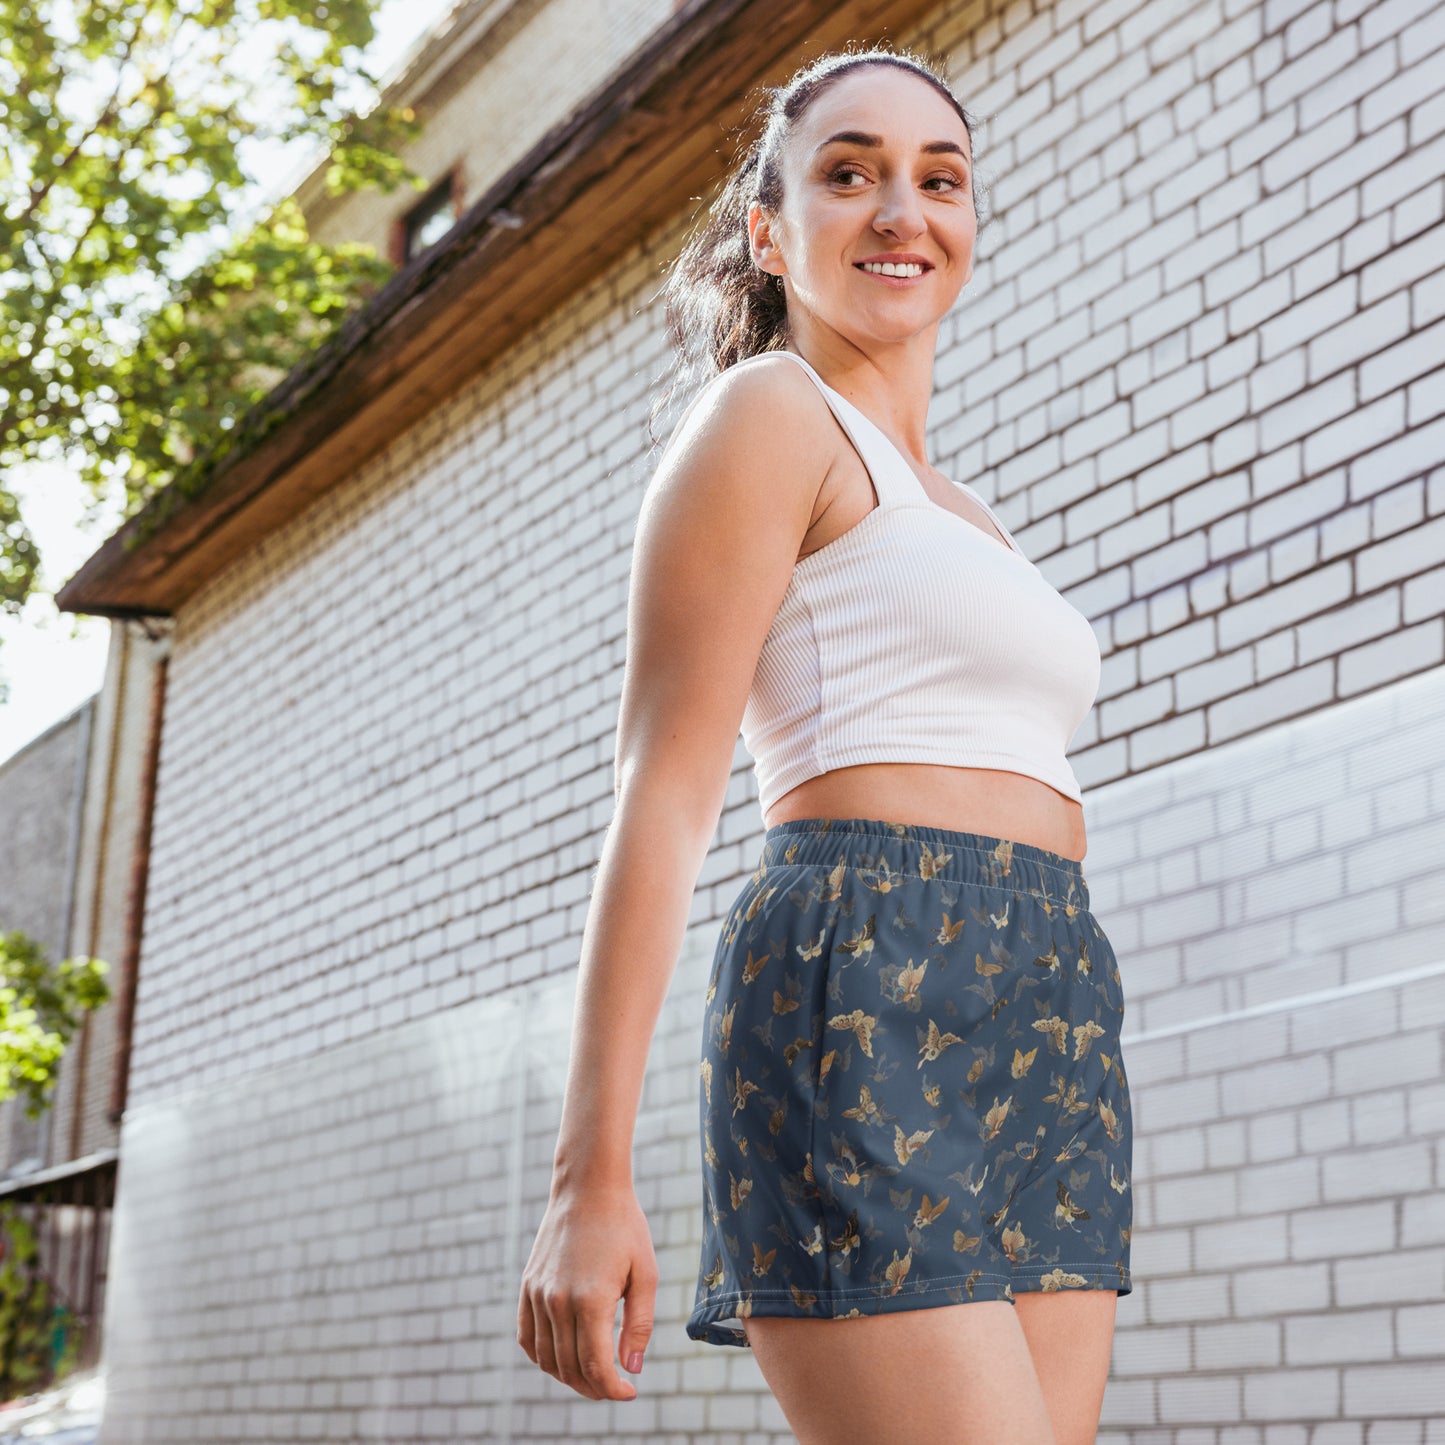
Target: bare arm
x=720, y=529
x=718, y=534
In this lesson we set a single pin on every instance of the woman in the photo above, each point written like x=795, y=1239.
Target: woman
x=914, y=1115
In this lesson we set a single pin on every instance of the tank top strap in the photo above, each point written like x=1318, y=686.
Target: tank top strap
x=894, y=480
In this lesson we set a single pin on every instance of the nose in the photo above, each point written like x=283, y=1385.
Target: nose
x=900, y=210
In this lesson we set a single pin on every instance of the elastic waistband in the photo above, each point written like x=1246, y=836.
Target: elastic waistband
x=913, y=850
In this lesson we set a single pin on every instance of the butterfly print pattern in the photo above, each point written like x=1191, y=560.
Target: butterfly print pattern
x=911, y=1091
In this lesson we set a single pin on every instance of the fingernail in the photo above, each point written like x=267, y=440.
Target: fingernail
x=634, y=1362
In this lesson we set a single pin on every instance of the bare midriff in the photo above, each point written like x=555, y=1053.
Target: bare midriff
x=991, y=801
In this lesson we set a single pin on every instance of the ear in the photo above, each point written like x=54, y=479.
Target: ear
x=766, y=255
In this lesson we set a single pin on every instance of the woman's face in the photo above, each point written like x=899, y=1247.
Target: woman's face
x=899, y=183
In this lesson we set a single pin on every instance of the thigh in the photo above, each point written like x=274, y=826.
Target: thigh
x=956, y=1374
x=1070, y=1334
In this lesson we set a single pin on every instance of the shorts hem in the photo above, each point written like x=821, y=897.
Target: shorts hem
x=705, y=1322
x=1095, y=1275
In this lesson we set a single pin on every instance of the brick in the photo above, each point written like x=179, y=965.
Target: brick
x=1324, y=1126
x=1237, y=1345
x=1282, y=1289
x=1378, y=1117
x=1198, y=1297
x=1425, y=1109
x=1294, y=601
x=1218, y=677
x=1210, y=1050
x=1420, y=1330
x=1154, y=1351
x=1373, y=616
x=1292, y=1394
x=1342, y=1229
x=1178, y=1151
x=1212, y=1398
x=1390, y=1278
x=1394, y=1389
x=1370, y=1173
x=1174, y=738
x=1285, y=1185
x=1341, y=1337
x=1386, y=466
x=1274, y=1135
x=1128, y=1402
x=1422, y=1220
x=1393, y=368
x=1271, y=702
x=1283, y=1081
x=1237, y=1243
x=1390, y=183
x=1400, y=555
x=1410, y=1058
x=1345, y=1020
x=1416, y=259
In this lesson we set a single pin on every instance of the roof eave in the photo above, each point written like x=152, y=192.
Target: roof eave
x=593, y=187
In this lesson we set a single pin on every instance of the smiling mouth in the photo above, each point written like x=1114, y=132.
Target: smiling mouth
x=908, y=271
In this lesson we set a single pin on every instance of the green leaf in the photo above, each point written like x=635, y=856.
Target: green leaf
x=143, y=318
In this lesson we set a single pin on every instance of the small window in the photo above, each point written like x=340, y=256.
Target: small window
x=429, y=220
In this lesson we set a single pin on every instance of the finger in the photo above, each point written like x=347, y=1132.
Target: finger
x=526, y=1325
x=594, y=1354
x=563, y=1315
x=639, y=1307
x=546, y=1338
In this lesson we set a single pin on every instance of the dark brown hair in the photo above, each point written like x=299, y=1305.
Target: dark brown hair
x=719, y=307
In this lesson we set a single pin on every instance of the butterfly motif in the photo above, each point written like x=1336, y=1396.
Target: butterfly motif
x=865, y=1111
x=934, y=1044
x=754, y=966
x=1060, y=1279
x=860, y=1024
x=1066, y=1211
x=897, y=1270
x=861, y=943
x=739, y=1189
x=927, y=1212
x=759, y=903
x=905, y=1146
x=741, y=1090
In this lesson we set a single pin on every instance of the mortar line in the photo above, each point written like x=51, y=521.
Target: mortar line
x=1295, y=1001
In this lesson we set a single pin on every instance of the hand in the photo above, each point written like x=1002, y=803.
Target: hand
x=592, y=1248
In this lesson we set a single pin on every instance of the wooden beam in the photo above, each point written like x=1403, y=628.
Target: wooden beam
x=626, y=161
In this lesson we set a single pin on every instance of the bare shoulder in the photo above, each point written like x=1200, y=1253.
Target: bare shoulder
x=763, y=410
x=718, y=537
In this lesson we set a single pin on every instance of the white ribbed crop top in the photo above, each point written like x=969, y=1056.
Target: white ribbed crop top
x=917, y=637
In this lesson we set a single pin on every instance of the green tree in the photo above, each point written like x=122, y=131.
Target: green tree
x=41, y=1005
x=143, y=308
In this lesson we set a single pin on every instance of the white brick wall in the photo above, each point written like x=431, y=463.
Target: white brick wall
x=1194, y=370
x=1286, y=1055
x=332, y=1248
x=1201, y=342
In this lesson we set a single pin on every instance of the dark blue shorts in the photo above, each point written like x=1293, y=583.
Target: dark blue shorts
x=911, y=1087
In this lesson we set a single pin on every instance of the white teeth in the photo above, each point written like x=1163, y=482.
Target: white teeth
x=890, y=268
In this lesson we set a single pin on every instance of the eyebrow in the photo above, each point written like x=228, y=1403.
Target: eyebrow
x=863, y=138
